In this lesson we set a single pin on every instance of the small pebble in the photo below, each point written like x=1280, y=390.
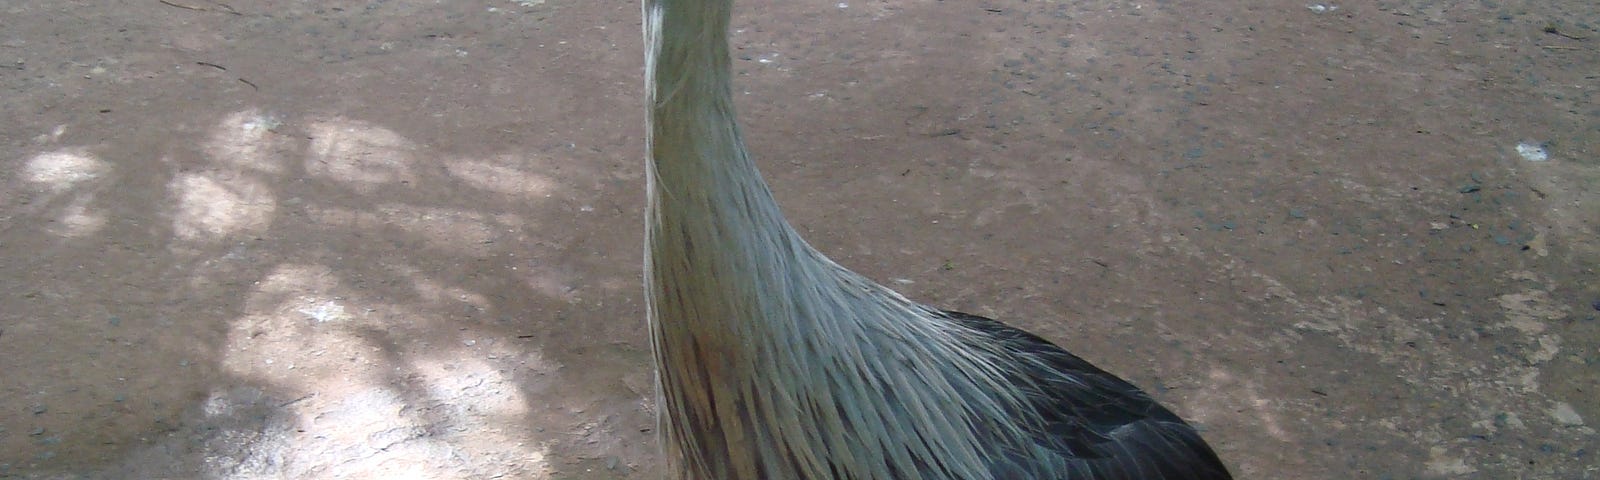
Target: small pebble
x=38, y=409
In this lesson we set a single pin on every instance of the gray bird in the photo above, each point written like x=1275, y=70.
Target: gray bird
x=774, y=362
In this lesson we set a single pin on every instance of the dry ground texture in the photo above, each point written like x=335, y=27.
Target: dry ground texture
x=401, y=238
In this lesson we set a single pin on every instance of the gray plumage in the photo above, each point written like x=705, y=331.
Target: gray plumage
x=776, y=363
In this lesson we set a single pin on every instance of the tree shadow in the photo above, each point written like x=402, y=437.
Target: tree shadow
x=241, y=288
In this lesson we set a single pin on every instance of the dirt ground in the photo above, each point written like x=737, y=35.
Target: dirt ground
x=401, y=238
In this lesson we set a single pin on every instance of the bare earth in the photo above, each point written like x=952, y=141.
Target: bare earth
x=401, y=239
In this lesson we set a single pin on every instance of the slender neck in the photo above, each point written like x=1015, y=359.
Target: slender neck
x=704, y=189
x=719, y=256
x=688, y=79
x=687, y=45
x=758, y=338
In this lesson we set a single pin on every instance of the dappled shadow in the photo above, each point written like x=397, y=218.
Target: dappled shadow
x=269, y=290
x=371, y=337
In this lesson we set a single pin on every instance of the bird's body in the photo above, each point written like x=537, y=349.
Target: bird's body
x=776, y=363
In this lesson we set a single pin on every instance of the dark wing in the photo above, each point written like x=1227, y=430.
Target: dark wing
x=1095, y=425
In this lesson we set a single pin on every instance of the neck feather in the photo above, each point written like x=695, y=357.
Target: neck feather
x=773, y=361
x=713, y=220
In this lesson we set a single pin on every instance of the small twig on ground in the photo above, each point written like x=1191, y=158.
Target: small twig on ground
x=1553, y=30
x=225, y=7
x=297, y=400
x=182, y=6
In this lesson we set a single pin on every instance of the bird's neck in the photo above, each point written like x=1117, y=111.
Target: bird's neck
x=768, y=351
x=713, y=219
x=694, y=143
x=721, y=264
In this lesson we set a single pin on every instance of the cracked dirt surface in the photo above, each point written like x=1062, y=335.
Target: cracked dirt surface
x=400, y=239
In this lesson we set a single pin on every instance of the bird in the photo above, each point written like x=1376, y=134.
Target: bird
x=774, y=362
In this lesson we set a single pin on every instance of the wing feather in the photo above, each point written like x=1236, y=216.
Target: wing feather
x=1095, y=425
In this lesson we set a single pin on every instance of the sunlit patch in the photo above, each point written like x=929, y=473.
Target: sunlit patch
x=62, y=169
x=325, y=311
x=292, y=328
x=363, y=431
x=456, y=231
x=211, y=206
x=1533, y=152
x=245, y=139
x=434, y=291
x=54, y=135
x=78, y=219
x=467, y=375
x=1565, y=415
x=1322, y=7
x=369, y=397
x=1531, y=311
x=553, y=284
x=1239, y=392
x=358, y=154
x=1442, y=463
x=502, y=177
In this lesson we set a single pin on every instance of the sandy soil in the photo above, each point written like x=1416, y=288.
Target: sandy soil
x=401, y=239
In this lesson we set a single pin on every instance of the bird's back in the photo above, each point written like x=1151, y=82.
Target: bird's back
x=1084, y=423
x=776, y=363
